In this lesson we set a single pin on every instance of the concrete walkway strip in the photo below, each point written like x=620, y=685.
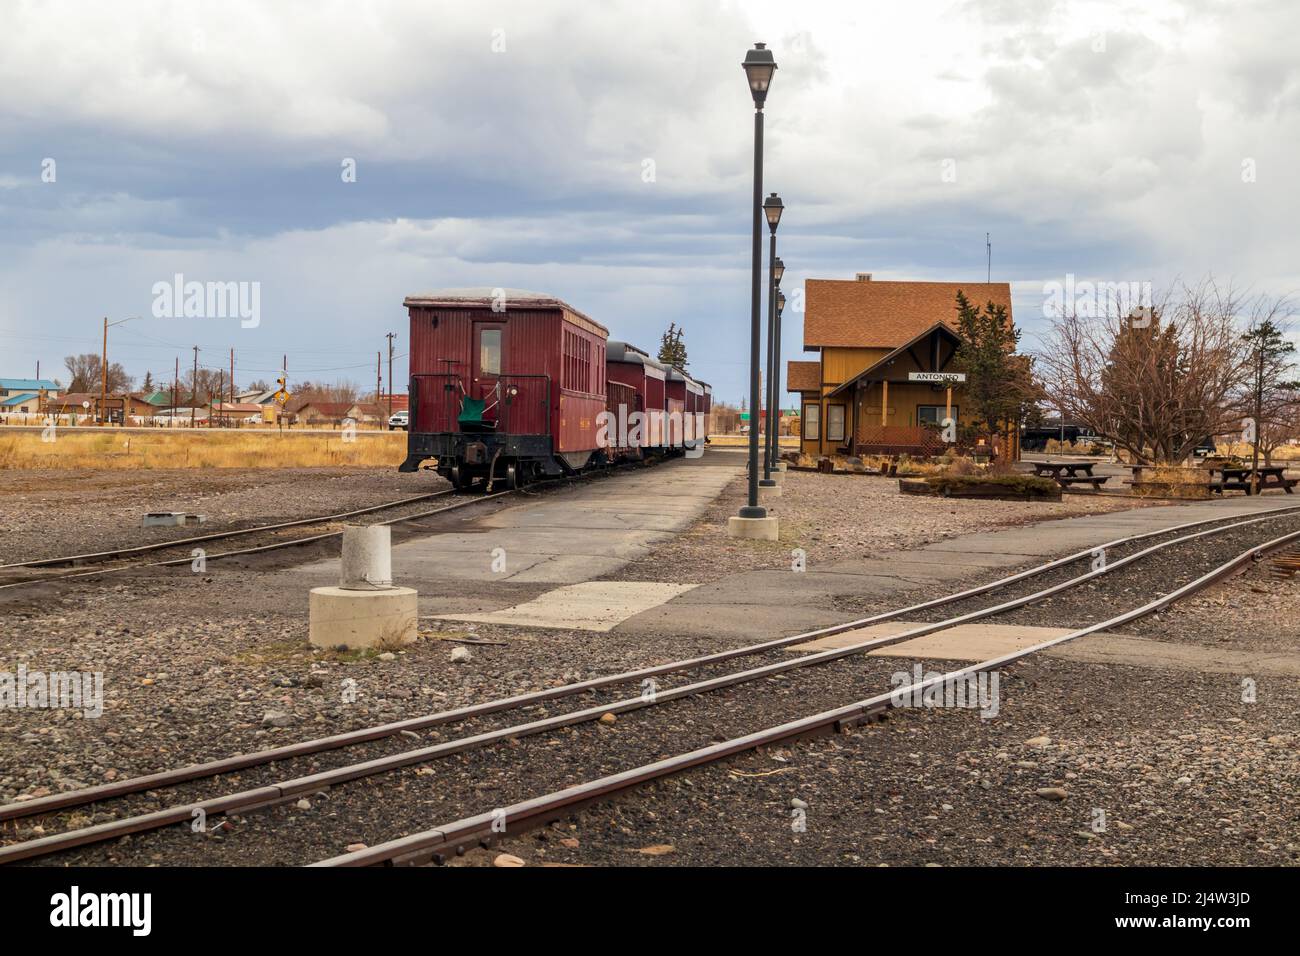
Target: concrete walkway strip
x=590, y=606
x=980, y=641
x=977, y=641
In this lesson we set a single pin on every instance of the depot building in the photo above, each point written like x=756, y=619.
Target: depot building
x=882, y=382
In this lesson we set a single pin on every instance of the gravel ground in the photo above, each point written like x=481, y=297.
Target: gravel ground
x=1157, y=768
x=51, y=513
x=400, y=802
x=839, y=518
x=193, y=665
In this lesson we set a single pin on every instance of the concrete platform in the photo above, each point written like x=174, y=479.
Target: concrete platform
x=563, y=537
x=593, y=606
x=759, y=605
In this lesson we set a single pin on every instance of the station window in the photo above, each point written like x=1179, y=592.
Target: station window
x=835, y=423
x=934, y=414
x=812, y=422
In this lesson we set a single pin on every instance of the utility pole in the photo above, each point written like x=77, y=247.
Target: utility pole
x=988, y=247
x=379, y=377
x=391, y=336
x=232, y=376
x=212, y=405
x=194, y=386
x=176, y=378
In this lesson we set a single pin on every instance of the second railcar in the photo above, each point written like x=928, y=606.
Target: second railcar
x=506, y=385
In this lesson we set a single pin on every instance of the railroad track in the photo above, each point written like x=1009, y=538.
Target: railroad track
x=119, y=559
x=427, y=844
x=483, y=829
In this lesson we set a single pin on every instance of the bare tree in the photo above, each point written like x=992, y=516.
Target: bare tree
x=207, y=387
x=84, y=373
x=1159, y=381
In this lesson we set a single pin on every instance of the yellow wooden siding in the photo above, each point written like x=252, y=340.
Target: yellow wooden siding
x=840, y=365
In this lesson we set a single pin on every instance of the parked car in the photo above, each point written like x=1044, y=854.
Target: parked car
x=400, y=420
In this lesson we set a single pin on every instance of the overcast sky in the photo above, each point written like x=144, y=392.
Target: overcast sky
x=506, y=144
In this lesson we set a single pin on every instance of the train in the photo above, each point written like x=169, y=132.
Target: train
x=508, y=387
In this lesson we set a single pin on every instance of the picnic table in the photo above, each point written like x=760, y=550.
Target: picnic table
x=1066, y=473
x=1234, y=477
x=1238, y=477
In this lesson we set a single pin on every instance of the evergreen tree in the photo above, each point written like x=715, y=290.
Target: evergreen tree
x=672, y=350
x=147, y=386
x=999, y=388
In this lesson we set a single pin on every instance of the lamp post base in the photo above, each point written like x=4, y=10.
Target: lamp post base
x=755, y=529
x=766, y=482
x=757, y=511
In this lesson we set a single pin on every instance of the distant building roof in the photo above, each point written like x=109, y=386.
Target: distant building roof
x=30, y=384
x=159, y=397
x=328, y=409
x=867, y=313
x=401, y=402
x=19, y=399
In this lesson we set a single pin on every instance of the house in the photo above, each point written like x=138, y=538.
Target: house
x=229, y=413
x=367, y=412
x=313, y=412
x=263, y=396
x=86, y=404
x=881, y=383
x=21, y=403
x=13, y=387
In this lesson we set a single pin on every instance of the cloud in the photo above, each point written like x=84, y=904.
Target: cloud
x=505, y=143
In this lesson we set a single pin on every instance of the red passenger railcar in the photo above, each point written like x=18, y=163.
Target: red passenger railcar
x=631, y=366
x=505, y=385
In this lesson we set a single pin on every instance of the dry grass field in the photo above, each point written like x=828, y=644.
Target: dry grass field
x=198, y=449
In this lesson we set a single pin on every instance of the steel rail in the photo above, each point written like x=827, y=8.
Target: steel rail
x=73, y=798
x=455, y=837
x=273, y=546
x=216, y=535
x=287, y=790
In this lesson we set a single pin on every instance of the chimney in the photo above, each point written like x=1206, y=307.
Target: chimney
x=864, y=276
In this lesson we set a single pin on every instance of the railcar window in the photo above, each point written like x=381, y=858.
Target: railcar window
x=489, y=351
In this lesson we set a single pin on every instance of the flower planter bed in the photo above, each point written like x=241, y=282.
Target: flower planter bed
x=1009, y=488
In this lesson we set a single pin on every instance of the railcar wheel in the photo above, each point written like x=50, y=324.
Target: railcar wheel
x=460, y=480
x=516, y=477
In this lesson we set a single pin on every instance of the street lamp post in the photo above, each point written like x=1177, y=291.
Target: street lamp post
x=759, y=66
x=776, y=268
x=103, y=373
x=776, y=364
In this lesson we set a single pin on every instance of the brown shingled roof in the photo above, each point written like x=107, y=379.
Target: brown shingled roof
x=804, y=376
x=880, y=314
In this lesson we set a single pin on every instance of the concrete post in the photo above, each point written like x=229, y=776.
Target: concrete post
x=365, y=610
x=367, y=558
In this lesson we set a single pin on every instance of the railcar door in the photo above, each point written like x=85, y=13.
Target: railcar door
x=487, y=366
